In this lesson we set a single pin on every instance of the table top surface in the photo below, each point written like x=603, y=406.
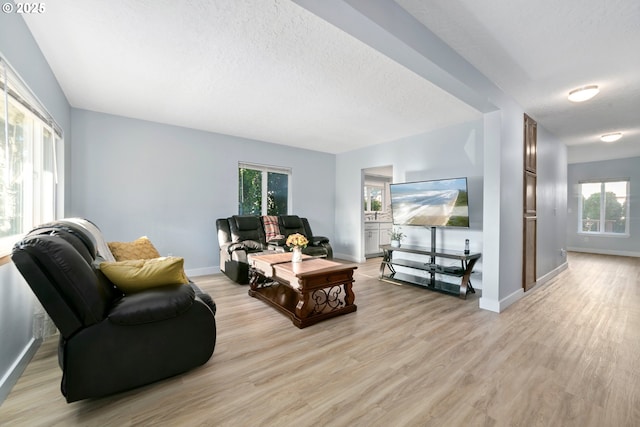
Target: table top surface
x=279, y=264
x=311, y=266
x=276, y=258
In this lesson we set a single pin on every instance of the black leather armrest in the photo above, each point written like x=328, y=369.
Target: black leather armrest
x=252, y=245
x=152, y=305
x=277, y=242
x=235, y=247
x=205, y=297
x=318, y=240
x=245, y=245
x=228, y=247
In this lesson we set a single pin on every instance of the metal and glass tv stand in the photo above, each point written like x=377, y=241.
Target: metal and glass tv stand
x=430, y=274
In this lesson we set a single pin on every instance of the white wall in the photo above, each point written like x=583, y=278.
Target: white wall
x=453, y=152
x=447, y=153
x=620, y=168
x=134, y=178
x=625, y=148
x=511, y=196
x=495, y=196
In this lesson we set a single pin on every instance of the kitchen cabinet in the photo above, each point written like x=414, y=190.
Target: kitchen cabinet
x=375, y=234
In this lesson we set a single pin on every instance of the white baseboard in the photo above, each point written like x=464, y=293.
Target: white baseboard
x=553, y=273
x=205, y=271
x=11, y=377
x=603, y=251
x=489, y=304
x=349, y=257
x=510, y=299
x=500, y=306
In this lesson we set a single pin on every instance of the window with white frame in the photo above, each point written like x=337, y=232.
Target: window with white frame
x=604, y=207
x=28, y=167
x=373, y=198
x=263, y=190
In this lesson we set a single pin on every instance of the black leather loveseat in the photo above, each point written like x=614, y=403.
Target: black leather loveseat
x=110, y=342
x=241, y=235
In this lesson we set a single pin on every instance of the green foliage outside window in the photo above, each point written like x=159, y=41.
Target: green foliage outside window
x=277, y=193
x=372, y=198
x=250, y=192
x=614, y=213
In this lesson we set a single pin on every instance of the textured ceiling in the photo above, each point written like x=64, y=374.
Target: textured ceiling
x=273, y=71
x=267, y=70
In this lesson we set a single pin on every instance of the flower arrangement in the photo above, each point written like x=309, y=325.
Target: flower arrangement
x=397, y=234
x=297, y=240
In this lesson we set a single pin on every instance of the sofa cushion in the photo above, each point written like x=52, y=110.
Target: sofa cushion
x=291, y=224
x=244, y=223
x=246, y=227
x=141, y=248
x=131, y=276
x=291, y=221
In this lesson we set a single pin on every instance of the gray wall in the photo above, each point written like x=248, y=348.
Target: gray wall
x=460, y=151
x=169, y=183
x=452, y=152
x=551, y=203
x=620, y=168
x=388, y=28
x=503, y=224
x=17, y=302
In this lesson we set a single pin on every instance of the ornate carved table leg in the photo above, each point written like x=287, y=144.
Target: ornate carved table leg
x=304, y=306
x=255, y=278
x=350, y=297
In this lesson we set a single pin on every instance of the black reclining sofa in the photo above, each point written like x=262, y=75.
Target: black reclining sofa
x=111, y=342
x=241, y=235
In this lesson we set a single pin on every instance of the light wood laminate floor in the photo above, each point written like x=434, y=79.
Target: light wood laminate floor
x=565, y=355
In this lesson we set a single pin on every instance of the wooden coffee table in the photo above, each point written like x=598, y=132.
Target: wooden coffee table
x=308, y=292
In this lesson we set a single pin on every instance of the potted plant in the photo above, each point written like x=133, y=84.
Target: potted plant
x=396, y=237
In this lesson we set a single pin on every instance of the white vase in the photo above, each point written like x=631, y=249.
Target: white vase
x=296, y=254
x=395, y=243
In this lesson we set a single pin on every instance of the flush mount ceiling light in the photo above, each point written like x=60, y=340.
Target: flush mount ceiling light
x=611, y=137
x=583, y=93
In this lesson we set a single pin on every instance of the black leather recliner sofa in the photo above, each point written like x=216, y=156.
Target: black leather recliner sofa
x=241, y=235
x=111, y=342
x=238, y=236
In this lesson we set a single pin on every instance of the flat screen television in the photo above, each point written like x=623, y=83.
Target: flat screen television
x=435, y=203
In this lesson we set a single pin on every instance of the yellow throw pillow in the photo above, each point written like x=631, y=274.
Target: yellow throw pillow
x=132, y=276
x=141, y=248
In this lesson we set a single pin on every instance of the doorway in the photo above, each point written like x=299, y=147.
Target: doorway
x=376, y=209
